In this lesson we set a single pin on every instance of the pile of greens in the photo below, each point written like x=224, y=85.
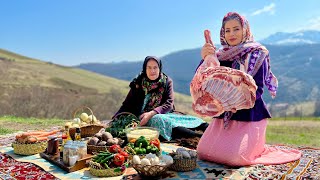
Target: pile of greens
x=122, y=121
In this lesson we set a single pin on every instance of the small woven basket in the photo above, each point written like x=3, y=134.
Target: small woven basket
x=184, y=164
x=150, y=170
x=29, y=149
x=96, y=170
x=91, y=149
x=86, y=130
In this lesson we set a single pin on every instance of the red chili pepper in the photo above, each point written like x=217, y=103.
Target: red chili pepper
x=155, y=142
x=118, y=159
x=114, y=148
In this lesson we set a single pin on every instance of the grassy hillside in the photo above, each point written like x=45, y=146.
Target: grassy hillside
x=33, y=88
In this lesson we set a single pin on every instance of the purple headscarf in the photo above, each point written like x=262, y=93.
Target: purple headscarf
x=241, y=51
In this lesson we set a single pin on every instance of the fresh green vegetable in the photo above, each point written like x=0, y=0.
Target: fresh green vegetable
x=120, y=123
x=141, y=140
x=140, y=149
x=154, y=149
x=107, y=158
x=148, y=149
x=130, y=145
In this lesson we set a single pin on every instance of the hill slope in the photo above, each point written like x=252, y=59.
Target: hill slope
x=33, y=88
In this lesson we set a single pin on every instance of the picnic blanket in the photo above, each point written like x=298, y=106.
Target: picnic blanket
x=308, y=167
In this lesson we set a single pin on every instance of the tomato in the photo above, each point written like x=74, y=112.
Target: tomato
x=118, y=159
x=155, y=142
x=114, y=148
x=124, y=154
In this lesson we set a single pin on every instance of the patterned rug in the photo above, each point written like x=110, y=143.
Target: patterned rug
x=308, y=167
x=11, y=169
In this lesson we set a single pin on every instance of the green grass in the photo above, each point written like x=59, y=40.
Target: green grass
x=295, y=118
x=288, y=134
x=4, y=131
x=11, y=124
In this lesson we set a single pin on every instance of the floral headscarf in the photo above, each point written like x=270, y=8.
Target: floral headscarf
x=153, y=89
x=239, y=53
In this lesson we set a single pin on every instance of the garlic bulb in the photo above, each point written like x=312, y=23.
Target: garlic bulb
x=136, y=159
x=145, y=161
x=167, y=159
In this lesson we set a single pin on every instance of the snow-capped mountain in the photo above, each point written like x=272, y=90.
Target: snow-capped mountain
x=294, y=38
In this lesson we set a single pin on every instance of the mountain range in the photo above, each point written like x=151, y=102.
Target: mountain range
x=296, y=66
x=293, y=38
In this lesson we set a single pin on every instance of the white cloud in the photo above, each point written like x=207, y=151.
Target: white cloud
x=314, y=23
x=266, y=9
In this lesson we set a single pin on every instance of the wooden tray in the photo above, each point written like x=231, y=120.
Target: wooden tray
x=80, y=164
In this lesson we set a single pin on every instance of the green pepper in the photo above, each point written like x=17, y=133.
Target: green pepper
x=143, y=141
x=154, y=149
x=140, y=149
x=148, y=149
x=143, y=150
x=130, y=145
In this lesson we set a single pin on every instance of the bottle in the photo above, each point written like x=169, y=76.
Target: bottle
x=66, y=135
x=77, y=135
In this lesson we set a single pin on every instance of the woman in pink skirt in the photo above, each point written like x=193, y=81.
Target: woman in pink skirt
x=238, y=138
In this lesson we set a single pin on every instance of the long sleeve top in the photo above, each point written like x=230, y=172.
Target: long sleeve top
x=134, y=101
x=259, y=110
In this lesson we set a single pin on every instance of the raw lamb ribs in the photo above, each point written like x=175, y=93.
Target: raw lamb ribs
x=216, y=89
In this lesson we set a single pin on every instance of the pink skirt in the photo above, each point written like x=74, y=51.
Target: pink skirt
x=241, y=144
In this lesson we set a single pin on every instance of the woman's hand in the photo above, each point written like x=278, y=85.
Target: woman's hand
x=145, y=117
x=207, y=49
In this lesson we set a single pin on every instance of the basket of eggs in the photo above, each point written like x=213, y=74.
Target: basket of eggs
x=151, y=165
x=184, y=160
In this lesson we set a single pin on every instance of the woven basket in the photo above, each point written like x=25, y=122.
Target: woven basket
x=150, y=170
x=29, y=149
x=91, y=149
x=86, y=130
x=96, y=170
x=184, y=164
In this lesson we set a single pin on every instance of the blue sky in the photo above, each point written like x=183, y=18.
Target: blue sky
x=79, y=31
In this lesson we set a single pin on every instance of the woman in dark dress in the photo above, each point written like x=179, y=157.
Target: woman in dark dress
x=151, y=98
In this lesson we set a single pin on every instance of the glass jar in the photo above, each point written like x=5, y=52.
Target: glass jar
x=82, y=149
x=65, y=155
x=73, y=154
x=53, y=145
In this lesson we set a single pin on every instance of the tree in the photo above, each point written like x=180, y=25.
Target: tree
x=317, y=108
